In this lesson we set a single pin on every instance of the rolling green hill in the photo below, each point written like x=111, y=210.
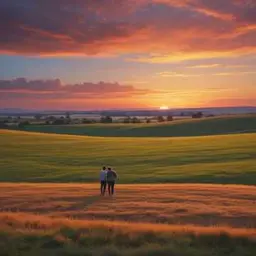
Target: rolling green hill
x=182, y=128
x=37, y=157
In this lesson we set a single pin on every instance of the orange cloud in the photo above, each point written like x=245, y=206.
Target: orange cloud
x=176, y=74
x=235, y=73
x=165, y=30
x=217, y=65
x=206, y=66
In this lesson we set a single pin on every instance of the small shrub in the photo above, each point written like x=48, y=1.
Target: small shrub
x=197, y=115
x=160, y=119
x=87, y=121
x=23, y=123
x=135, y=120
x=169, y=118
x=106, y=119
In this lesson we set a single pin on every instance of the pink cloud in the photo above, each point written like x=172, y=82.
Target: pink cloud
x=21, y=92
x=55, y=88
x=187, y=28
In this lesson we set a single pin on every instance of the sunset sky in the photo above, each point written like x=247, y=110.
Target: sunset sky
x=109, y=54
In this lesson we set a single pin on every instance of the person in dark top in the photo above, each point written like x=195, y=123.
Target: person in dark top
x=111, y=180
x=103, y=180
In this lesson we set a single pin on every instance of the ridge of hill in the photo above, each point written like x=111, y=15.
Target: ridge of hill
x=181, y=128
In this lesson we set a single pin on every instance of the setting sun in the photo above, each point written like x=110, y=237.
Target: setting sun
x=164, y=107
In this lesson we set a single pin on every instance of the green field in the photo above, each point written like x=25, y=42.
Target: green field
x=38, y=157
x=182, y=128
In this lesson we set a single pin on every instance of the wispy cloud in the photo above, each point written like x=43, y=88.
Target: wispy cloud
x=218, y=65
x=206, y=66
x=235, y=73
x=176, y=74
x=173, y=74
x=193, y=55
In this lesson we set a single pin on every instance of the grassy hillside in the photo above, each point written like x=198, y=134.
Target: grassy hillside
x=23, y=234
x=188, y=127
x=41, y=157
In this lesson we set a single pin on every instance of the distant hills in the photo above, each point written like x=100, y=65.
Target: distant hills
x=136, y=112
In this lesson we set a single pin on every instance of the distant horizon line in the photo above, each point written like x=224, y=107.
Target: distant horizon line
x=123, y=109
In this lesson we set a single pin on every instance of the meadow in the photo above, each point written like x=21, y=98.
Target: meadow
x=38, y=157
x=180, y=128
x=30, y=235
x=50, y=203
x=184, y=204
x=69, y=219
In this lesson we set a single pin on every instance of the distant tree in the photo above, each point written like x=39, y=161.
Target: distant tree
x=127, y=120
x=169, y=118
x=59, y=121
x=106, y=119
x=102, y=119
x=197, y=115
x=67, y=115
x=38, y=117
x=47, y=122
x=51, y=118
x=148, y=120
x=109, y=119
x=135, y=120
x=23, y=124
x=87, y=121
x=160, y=119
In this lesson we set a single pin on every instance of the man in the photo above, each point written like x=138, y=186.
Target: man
x=103, y=180
x=111, y=180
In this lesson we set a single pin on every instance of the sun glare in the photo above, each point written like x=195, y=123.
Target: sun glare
x=164, y=107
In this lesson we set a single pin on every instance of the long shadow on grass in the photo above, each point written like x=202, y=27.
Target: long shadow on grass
x=86, y=203
x=82, y=204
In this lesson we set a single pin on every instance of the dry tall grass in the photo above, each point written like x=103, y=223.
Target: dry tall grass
x=141, y=220
x=27, y=223
x=204, y=205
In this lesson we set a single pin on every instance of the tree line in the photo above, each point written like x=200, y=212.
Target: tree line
x=65, y=120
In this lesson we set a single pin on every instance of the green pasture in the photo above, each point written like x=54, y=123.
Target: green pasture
x=38, y=157
x=180, y=128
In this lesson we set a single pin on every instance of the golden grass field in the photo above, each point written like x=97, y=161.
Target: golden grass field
x=192, y=204
x=140, y=220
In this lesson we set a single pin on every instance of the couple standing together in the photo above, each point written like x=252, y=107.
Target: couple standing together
x=107, y=177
